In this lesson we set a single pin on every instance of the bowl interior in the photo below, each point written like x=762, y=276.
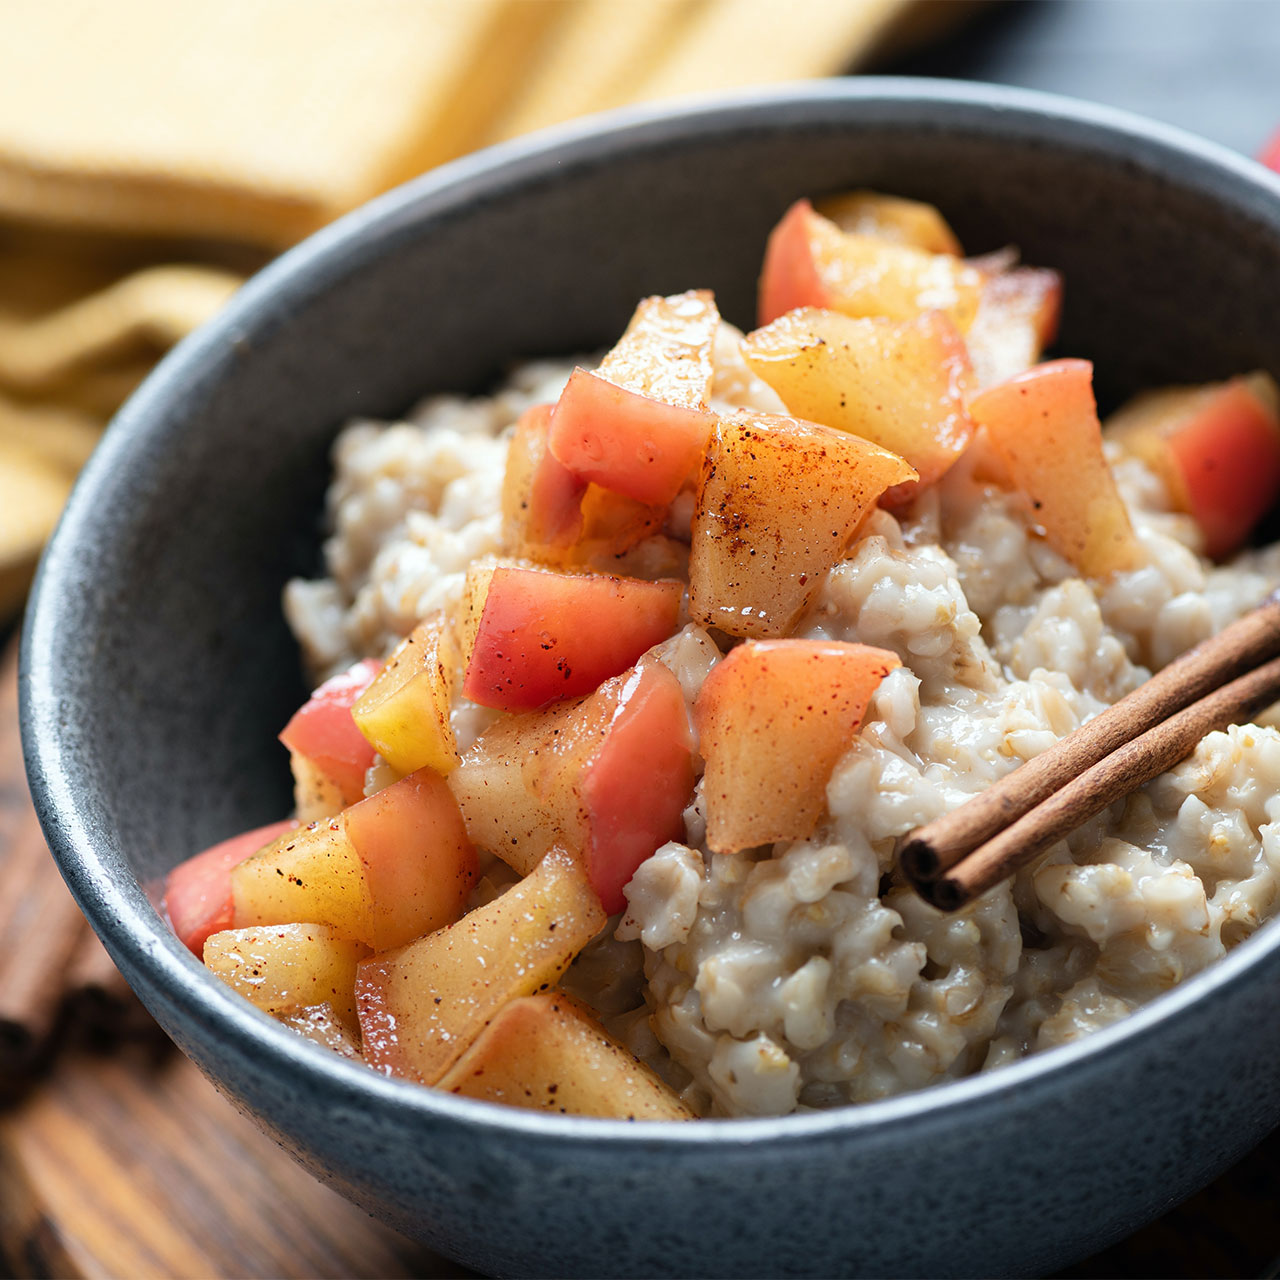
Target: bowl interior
x=157, y=666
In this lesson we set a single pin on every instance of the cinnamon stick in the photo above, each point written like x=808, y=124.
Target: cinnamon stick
x=1122, y=771
x=930, y=851
x=99, y=1003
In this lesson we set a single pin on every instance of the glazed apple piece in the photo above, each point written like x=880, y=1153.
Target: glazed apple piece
x=637, y=426
x=891, y=218
x=1017, y=318
x=810, y=262
x=197, y=892
x=608, y=777
x=778, y=502
x=551, y=516
x=289, y=966
x=773, y=718
x=549, y=1053
x=1217, y=447
x=320, y=1024
x=626, y=442
x=383, y=872
x=541, y=636
x=404, y=713
x=665, y=352
x=421, y=1007
x=899, y=383
x=324, y=734
x=1044, y=426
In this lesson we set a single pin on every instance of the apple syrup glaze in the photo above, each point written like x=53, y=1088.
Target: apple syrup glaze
x=799, y=976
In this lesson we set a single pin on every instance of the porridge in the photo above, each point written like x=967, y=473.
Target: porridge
x=762, y=955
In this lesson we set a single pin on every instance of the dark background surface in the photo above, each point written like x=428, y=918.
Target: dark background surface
x=1211, y=67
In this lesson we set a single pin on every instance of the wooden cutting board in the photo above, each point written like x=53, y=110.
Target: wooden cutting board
x=128, y=1165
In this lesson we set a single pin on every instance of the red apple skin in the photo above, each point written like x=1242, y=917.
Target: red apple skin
x=322, y=730
x=197, y=892
x=789, y=277
x=541, y=497
x=1270, y=154
x=1228, y=455
x=635, y=789
x=544, y=636
x=626, y=442
x=418, y=863
x=1044, y=425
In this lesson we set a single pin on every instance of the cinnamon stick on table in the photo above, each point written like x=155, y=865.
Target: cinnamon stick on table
x=1219, y=682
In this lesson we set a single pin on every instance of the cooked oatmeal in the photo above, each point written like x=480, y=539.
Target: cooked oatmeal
x=804, y=974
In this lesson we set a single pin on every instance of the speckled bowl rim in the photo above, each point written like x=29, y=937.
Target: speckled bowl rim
x=121, y=914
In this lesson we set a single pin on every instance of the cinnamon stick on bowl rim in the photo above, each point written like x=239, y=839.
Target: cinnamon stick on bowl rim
x=1225, y=680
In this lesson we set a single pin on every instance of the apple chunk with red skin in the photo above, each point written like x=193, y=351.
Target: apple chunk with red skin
x=773, y=719
x=555, y=517
x=197, y=892
x=383, y=872
x=778, y=502
x=323, y=732
x=541, y=636
x=637, y=426
x=1217, y=448
x=608, y=777
x=900, y=384
x=891, y=218
x=810, y=262
x=422, y=1006
x=1044, y=426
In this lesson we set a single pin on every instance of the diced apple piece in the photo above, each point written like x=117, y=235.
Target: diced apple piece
x=810, y=262
x=1044, y=426
x=549, y=1053
x=665, y=353
x=1217, y=447
x=404, y=713
x=289, y=966
x=551, y=516
x=910, y=222
x=423, y=1006
x=626, y=442
x=541, y=497
x=321, y=1025
x=315, y=794
x=778, y=502
x=773, y=718
x=322, y=730
x=1017, y=318
x=197, y=892
x=543, y=636
x=899, y=383
x=383, y=872
x=608, y=777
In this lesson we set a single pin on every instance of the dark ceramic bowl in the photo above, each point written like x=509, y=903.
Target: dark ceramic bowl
x=157, y=668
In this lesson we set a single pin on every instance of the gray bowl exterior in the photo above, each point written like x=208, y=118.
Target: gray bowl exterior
x=157, y=669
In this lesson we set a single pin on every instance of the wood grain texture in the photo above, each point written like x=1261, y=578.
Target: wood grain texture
x=133, y=1166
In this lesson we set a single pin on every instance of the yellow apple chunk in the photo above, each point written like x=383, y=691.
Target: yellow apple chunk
x=404, y=712
x=891, y=218
x=773, y=719
x=1044, y=425
x=421, y=1007
x=777, y=504
x=388, y=869
x=665, y=353
x=321, y=1025
x=899, y=384
x=289, y=966
x=548, y=1053
x=315, y=794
